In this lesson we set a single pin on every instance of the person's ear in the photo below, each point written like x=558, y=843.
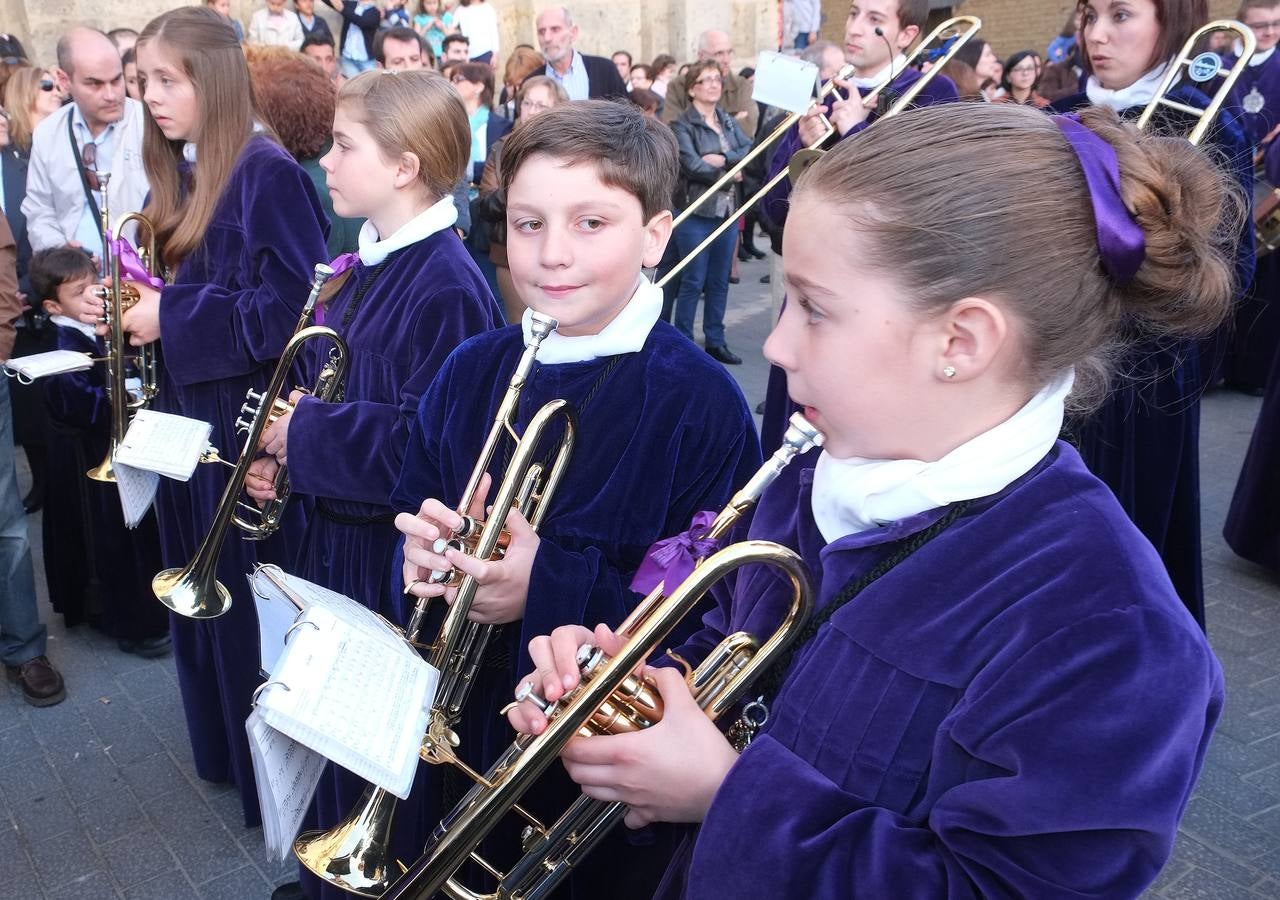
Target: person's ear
x=407, y=170
x=974, y=333
x=63, y=80
x=907, y=36
x=657, y=231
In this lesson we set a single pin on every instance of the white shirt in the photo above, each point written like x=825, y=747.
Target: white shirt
x=479, y=23
x=284, y=30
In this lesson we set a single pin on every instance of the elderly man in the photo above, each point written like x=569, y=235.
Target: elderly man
x=583, y=77
x=736, y=98
x=99, y=131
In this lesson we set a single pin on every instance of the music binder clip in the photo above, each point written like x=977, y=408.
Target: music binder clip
x=253, y=701
x=299, y=621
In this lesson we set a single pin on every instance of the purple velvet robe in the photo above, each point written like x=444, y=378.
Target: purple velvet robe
x=97, y=568
x=429, y=298
x=225, y=318
x=664, y=434
x=1020, y=708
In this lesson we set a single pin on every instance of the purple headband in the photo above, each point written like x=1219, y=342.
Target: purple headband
x=1121, y=243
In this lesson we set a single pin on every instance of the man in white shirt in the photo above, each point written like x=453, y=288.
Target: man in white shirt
x=99, y=131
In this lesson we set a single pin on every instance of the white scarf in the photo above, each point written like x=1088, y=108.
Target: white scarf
x=67, y=322
x=625, y=334
x=884, y=76
x=1137, y=94
x=853, y=495
x=1257, y=59
x=437, y=217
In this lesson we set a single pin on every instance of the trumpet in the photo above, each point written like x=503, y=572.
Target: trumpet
x=195, y=591
x=120, y=298
x=611, y=699
x=947, y=39
x=354, y=855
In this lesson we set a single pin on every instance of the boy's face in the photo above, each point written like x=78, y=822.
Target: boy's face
x=575, y=244
x=1265, y=24
x=75, y=297
x=306, y=7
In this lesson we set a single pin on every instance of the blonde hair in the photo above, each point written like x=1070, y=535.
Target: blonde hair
x=20, y=103
x=415, y=112
x=211, y=57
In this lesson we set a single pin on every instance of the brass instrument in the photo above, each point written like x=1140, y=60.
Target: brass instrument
x=611, y=699
x=195, y=591
x=117, y=300
x=957, y=30
x=354, y=855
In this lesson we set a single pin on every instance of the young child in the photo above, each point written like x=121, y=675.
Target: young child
x=434, y=24
x=223, y=9
x=1000, y=693
x=239, y=226
x=395, y=15
x=275, y=26
x=663, y=432
x=1144, y=441
x=400, y=143
x=96, y=568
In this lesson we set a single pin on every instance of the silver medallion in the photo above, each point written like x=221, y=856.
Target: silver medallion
x=1254, y=101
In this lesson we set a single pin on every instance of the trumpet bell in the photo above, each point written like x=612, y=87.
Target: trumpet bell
x=190, y=596
x=103, y=471
x=354, y=855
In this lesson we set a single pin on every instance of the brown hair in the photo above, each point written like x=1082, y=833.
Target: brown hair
x=211, y=57
x=295, y=97
x=477, y=73
x=1247, y=5
x=415, y=112
x=968, y=84
x=921, y=193
x=20, y=102
x=660, y=62
x=695, y=72
x=913, y=12
x=522, y=63
x=629, y=150
x=1178, y=20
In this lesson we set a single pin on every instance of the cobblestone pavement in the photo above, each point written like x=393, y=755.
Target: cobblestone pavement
x=99, y=798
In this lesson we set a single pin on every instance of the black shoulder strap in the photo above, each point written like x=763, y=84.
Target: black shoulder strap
x=84, y=180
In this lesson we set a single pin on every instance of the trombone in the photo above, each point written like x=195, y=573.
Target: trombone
x=949, y=37
x=195, y=591
x=354, y=854
x=611, y=699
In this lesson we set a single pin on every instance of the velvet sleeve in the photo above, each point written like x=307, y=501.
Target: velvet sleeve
x=354, y=451
x=1070, y=769
x=421, y=475
x=209, y=331
x=76, y=400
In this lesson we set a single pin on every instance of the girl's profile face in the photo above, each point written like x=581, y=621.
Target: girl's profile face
x=359, y=177
x=169, y=95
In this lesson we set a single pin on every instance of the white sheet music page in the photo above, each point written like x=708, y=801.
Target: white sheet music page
x=342, y=694
x=786, y=82
x=287, y=774
x=164, y=443
x=54, y=362
x=137, y=491
x=276, y=612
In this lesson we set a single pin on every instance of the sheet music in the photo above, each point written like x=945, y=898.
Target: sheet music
x=164, y=443
x=286, y=773
x=137, y=491
x=786, y=82
x=53, y=362
x=276, y=612
x=342, y=694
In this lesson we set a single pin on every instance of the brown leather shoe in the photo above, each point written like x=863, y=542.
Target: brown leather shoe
x=41, y=684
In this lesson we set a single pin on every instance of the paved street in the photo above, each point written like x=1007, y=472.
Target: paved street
x=99, y=799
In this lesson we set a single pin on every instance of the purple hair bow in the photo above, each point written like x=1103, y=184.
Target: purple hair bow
x=339, y=264
x=672, y=559
x=131, y=267
x=1122, y=246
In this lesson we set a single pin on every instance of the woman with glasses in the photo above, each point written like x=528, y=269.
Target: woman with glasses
x=474, y=81
x=30, y=97
x=1021, y=79
x=710, y=141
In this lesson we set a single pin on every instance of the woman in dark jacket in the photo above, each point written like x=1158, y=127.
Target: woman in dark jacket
x=710, y=142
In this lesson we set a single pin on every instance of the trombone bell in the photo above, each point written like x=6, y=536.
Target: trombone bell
x=190, y=594
x=354, y=855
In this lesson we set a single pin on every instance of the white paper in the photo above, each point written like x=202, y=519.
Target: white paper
x=342, y=694
x=287, y=774
x=164, y=443
x=276, y=612
x=137, y=491
x=786, y=82
x=54, y=362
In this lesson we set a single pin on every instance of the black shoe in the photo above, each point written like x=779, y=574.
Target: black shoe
x=734, y=279
x=40, y=682
x=33, y=501
x=723, y=354
x=744, y=255
x=147, y=648
x=290, y=891
x=758, y=254
x=760, y=408
x=765, y=279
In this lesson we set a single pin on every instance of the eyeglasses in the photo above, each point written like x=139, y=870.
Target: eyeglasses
x=1263, y=26
x=458, y=79
x=709, y=80
x=1023, y=70
x=46, y=84
x=89, y=161
x=533, y=106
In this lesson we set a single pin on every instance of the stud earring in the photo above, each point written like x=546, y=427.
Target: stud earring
x=949, y=371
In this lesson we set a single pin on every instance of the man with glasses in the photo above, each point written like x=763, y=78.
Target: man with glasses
x=99, y=131
x=582, y=77
x=736, y=97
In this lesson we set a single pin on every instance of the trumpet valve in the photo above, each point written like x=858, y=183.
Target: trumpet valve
x=279, y=407
x=129, y=296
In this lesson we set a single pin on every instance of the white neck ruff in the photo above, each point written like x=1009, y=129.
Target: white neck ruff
x=856, y=494
x=884, y=76
x=437, y=217
x=67, y=322
x=1137, y=94
x=625, y=334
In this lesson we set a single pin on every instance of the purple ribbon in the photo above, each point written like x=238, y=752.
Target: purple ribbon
x=672, y=559
x=340, y=263
x=131, y=267
x=1122, y=246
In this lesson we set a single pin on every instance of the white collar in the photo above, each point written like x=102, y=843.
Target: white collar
x=625, y=334
x=67, y=322
x=437, y=217
x=1137, y=94
x=189, y=148
x=1257, y=59
x=886, y=75
x=853, y=495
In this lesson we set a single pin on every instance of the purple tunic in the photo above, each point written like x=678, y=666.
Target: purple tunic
x=1027, y=722
x=428, y=298
x=232, y=306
